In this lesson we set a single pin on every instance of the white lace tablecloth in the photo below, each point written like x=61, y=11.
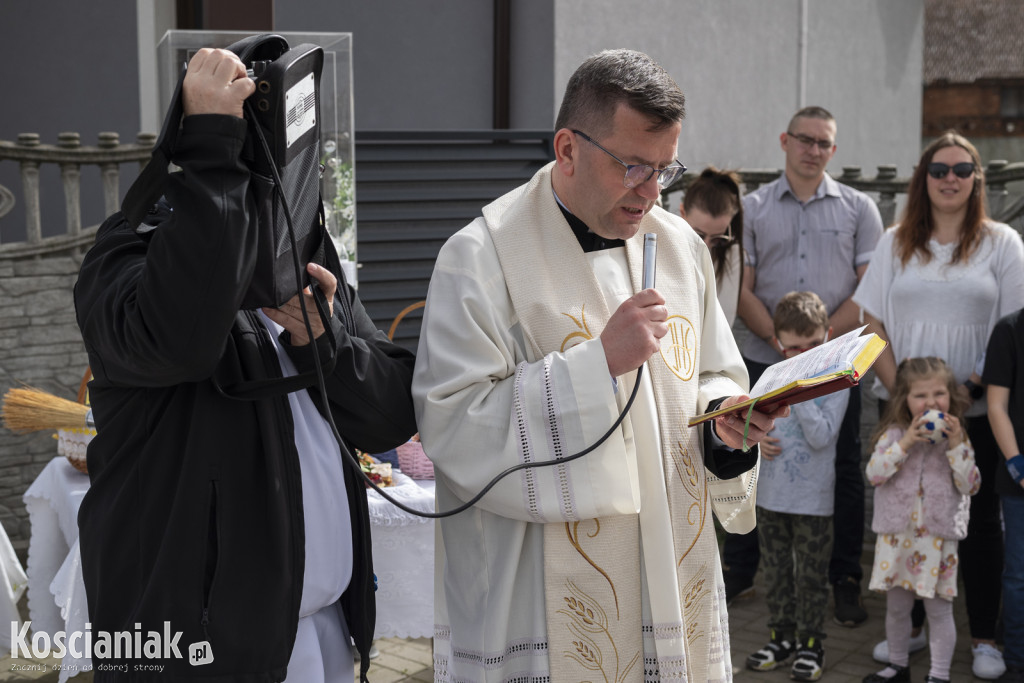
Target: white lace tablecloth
x=56, y=593
x=403, y=559
x=12, y=584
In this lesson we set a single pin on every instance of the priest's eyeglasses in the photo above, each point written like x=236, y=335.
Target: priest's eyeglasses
x=637, y=174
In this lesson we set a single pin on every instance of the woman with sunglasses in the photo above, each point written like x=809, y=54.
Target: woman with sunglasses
x=936, y=285
x=711, y=205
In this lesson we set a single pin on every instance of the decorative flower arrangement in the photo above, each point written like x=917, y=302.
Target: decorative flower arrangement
x=340, y=201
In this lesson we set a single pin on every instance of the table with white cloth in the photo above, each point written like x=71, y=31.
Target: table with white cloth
x=403, y=557
x=13, y=582
x=56, y=593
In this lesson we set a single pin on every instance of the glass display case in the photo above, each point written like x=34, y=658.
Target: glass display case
x=337, y=143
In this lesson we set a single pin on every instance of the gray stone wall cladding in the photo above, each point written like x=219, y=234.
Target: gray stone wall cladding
x=40, y=346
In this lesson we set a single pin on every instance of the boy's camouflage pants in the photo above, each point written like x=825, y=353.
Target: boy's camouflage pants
x=795, y=552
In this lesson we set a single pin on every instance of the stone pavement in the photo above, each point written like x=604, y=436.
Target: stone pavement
x=847, y=650
x=402, y=660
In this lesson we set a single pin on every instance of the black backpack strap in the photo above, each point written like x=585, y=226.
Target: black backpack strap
x=149, y=186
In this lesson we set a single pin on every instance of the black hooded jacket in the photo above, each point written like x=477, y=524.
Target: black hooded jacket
x=195, y=514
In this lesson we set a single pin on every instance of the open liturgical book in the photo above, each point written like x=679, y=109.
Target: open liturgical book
x=835, y=365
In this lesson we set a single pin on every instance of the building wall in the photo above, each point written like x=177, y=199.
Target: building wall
x=957, y=101
x=745, y=69
x=974, y=109
x=1006, y=149
x=428, y=65
x=533, y=53
x=69, y=67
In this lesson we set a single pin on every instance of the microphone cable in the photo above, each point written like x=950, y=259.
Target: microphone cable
x=347, y=455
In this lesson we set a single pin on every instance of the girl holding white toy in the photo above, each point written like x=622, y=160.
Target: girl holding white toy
x=937, y=283
x=923, y=468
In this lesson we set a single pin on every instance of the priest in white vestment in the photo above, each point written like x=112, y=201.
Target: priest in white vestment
x=604, y=568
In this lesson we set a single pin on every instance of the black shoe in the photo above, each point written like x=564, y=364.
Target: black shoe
x=809, y=663
x=1013, y=674
x=902, y=675
x=771, y=655
x=932, y=679
x=849, y=611
x=737, y=588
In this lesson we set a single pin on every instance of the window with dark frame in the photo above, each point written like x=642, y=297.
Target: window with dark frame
x=225, y=15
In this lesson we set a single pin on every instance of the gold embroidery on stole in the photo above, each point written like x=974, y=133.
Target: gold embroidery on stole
x=588, y=622
x=691, y=475
x=572, y=531
x=581, y=335
x=680, y=354
x=695, y=600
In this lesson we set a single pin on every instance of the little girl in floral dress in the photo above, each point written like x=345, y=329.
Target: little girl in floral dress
x=924, y=481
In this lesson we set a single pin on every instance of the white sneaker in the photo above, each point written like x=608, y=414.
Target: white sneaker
x=988, y=662
x=374, y=652
x=917, y=643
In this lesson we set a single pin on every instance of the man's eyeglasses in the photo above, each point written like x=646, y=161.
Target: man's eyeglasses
x=725, y=239
x=637, y=174
x=965, y=169
x=808, y=141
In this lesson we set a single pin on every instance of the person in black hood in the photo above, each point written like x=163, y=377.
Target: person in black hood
x=234, y=523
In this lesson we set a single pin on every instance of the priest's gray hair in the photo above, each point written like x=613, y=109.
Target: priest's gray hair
x=604, y=80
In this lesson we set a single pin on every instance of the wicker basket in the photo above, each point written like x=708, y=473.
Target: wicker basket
x=413, y=461
x=72, y=443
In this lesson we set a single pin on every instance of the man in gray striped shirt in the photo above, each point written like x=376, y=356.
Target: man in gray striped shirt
x=805, y=231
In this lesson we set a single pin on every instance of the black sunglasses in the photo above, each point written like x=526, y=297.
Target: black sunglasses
x=965, y=169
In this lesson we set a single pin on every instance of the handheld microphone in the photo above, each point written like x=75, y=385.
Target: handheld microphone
x=650, y=258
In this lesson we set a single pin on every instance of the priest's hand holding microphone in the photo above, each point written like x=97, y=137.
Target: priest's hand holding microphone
x=633, y=334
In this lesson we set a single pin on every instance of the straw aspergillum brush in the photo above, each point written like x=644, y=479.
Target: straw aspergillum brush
x=27, y=409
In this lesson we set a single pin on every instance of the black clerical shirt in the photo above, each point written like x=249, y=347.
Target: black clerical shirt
x=589, y=240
